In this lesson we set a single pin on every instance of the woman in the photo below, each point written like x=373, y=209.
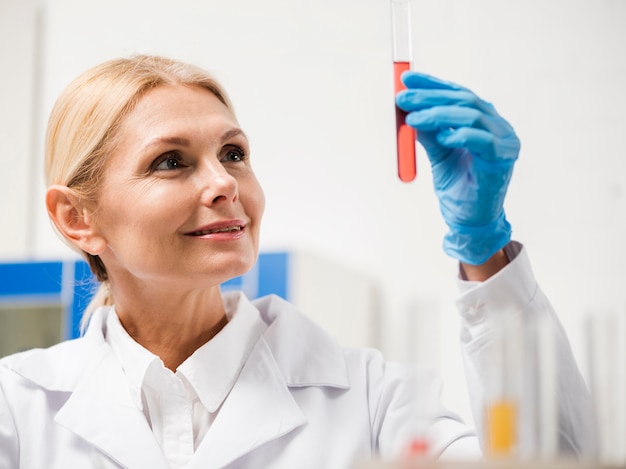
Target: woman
x=149, y=177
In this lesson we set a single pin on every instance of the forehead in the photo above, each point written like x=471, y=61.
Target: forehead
x=165, y=107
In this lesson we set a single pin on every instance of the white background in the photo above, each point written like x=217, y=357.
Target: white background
x=312, y=85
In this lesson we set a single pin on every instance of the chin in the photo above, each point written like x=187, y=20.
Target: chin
x=237, y=266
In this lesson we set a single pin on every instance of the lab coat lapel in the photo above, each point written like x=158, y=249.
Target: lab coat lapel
x=258, y=409
x=101, y=411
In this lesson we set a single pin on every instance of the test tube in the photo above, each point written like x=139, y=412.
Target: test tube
x=538, y=405
x=502, y=393
x=401, y=41
x=422, y=348
x=606, y=336
x=546, y=408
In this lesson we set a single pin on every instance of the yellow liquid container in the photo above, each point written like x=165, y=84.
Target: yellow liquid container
x=500, y=425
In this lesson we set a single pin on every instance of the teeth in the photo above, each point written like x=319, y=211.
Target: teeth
x=218, y=230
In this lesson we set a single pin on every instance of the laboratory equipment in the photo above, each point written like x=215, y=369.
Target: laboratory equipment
x=425, y=464
x=521, y=407
x=503, y=388
x=401, y=42
x=423, y=352
x=606, y=353
x=546, y=412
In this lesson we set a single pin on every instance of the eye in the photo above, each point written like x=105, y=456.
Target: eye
x=168, y=162
x=234, y=154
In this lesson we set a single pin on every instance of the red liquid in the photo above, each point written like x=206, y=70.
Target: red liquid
x=406, y=135
x=418, y=447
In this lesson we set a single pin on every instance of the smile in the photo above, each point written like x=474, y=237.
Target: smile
x=226, y=229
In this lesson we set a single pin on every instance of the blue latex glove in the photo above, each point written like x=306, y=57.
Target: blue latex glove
x=472, y=151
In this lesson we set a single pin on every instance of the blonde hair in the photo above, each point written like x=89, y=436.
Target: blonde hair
x=83, y=124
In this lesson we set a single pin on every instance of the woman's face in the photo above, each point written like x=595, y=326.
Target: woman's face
x=179, y=202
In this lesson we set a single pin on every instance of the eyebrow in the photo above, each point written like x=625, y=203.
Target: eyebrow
x=233, y=133
x=185, y=142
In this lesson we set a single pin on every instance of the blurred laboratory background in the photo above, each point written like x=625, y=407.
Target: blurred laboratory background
x=312, y=84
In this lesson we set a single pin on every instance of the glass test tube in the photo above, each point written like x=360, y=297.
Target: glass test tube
x=538, y=414
x=422, y=348
x=502, y=394
x=401, y=38
x=546, y=407
x=606, y=350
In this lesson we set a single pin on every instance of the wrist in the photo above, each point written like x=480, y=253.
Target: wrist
x=475, y=245
x=480, y=273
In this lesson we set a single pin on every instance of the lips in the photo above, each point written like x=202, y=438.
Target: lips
x=225, y=227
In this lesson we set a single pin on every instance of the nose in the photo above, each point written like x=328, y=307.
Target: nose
x=217, y=185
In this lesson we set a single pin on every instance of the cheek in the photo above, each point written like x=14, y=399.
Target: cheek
x=142, y=210
x=255, y=200
x=261, y=202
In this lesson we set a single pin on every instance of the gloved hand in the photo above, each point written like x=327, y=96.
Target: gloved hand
x=472, y=151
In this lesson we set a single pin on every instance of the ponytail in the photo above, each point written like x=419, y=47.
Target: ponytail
x=103, y=297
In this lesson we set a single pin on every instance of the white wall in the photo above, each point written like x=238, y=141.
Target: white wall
x=18, y=45
x=312, y=84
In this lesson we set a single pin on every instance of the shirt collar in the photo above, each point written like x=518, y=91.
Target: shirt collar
x=212, y=369
x=134, y=358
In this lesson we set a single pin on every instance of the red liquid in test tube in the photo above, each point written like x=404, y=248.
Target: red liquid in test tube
x=405, y=134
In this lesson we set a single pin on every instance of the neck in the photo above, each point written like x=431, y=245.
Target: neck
x=170, y=324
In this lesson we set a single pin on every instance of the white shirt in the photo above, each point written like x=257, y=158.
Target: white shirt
x=180, y=407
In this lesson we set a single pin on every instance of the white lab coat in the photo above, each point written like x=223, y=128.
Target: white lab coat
x=301, y=401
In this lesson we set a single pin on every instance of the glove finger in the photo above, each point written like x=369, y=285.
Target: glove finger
x=419, y=99
x=482, y=144
x=446, y=117
x=434, y=150
x=412, y=79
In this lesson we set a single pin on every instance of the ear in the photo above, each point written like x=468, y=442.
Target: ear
x=74, y=220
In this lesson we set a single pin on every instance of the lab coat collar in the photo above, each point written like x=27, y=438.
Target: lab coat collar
x=305, y=353
x=49, y=368
x=292, y=352
x=99, y=408
x=259, y=409
x=101, y=411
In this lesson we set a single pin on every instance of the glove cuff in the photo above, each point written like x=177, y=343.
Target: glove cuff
x=476, y=244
